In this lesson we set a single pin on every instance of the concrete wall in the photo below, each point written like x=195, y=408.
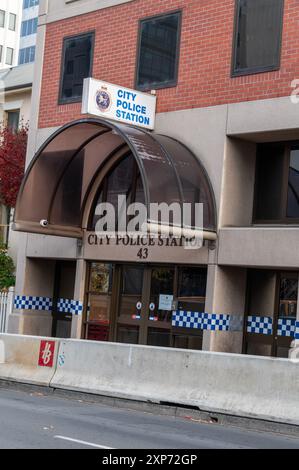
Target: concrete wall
x=233, y=384
x=35, y=277
x=60, y=9
x=226, y=293
x=228, y=383
x=269, y=247
x=19, y=360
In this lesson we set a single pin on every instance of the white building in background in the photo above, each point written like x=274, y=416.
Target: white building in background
x=10, y=26
x=28, y=31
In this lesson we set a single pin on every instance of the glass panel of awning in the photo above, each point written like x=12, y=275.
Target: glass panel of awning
x=61, y=176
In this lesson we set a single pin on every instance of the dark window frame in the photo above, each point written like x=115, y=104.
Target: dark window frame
x=235, y=72
x=283, y=220
x=62, y=101
x=170, y=83
x=16, y=113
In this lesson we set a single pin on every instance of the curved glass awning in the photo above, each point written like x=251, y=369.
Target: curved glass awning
x=61, y=175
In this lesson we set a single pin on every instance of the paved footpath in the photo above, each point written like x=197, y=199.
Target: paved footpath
x=31, y=419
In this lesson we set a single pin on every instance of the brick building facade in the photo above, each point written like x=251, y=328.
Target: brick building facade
x=228, y=102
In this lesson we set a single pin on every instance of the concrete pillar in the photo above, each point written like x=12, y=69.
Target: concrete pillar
x=294, y=351
x=79, y=295
x=226, y=294
x=35, y=277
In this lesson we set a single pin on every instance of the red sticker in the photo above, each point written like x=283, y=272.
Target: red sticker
x=46, y=353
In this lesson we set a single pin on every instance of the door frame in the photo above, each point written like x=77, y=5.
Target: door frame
x=56, y=315
x=274, y=341
x=144, y=322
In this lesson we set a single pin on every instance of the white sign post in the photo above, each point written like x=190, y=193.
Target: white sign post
x=118, y=103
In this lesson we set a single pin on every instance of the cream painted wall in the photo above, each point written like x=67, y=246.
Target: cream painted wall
x=16, y=100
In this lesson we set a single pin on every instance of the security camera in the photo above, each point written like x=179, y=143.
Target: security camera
x=44, y=223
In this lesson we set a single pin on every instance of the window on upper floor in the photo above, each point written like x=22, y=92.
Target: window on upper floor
x=13, y=119
x=30, y=3
x=1, y=53
x=2, y=18
x=277, y=183
x=258, y=31
x=9, y=56
x=12, y=21
x=29, y=27
x=27, y=55
x=76, y=66
x=158, y=52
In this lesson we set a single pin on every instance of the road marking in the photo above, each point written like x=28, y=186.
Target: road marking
x=90, y=444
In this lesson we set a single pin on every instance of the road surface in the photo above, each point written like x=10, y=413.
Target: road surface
x=33, y=420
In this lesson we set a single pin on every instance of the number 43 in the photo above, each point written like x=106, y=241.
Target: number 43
x=142, y=253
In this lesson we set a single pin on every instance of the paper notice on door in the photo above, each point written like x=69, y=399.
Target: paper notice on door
x=165, y=302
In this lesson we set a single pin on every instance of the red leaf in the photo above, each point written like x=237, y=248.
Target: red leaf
x=13, y=147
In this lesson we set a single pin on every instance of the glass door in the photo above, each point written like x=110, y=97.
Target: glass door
x=131, y=303
x=145, y=305
x=285, y=324
x=97, y=324
x=160, y=297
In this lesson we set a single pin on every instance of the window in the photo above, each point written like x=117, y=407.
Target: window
x=258, y=31
x=29, y=27
x=1, y=52
x=158, y=54
x=76, y=66
x=27, y=55
x=2, y=18
x=9, y=56
x=123, y=179
x=12, y=21
x=13, y=120
x=30, y=3
x=277, y=183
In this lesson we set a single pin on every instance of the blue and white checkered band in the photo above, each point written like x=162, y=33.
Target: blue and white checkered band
x=23, y=302
x=297, y=330
x=286, y=327
x=64, y=305
x=73, y=307
x=259, y=325
x=200, y=321
x=77, y=307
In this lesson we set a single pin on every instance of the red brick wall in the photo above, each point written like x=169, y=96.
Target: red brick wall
x=205, y=56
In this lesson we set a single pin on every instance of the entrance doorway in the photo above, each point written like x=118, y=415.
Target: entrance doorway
x=132, y=303
x=64, y=285
x=271, y=312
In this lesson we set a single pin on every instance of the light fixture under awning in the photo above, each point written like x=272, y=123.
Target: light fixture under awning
x=60, y=177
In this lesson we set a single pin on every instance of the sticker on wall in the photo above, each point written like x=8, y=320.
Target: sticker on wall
x=153, y=318
x=152, y=306
x=46, y=353
x=165, y=302
x=61, y=360
x=139, y=305
x=136, y=317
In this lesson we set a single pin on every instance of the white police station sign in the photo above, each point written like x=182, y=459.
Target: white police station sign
x=118, y=103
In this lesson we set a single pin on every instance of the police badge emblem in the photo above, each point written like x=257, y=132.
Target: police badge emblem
x=103, y=100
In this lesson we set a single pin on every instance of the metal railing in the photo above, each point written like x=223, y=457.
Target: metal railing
x=6, y=306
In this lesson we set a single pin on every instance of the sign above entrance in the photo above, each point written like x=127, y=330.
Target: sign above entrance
x=118, y=103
